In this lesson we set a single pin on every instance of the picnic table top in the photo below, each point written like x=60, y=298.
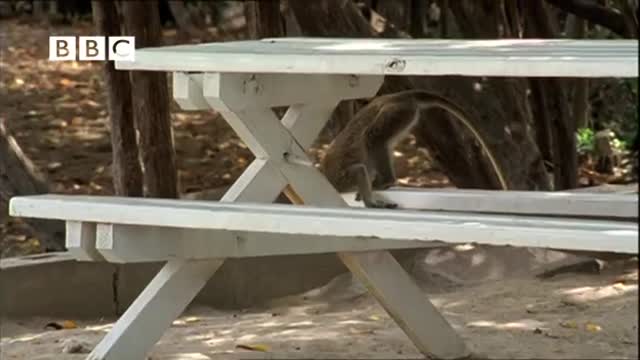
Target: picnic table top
x=503, y=57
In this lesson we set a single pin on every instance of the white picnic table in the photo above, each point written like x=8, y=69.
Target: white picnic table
x=243, y=81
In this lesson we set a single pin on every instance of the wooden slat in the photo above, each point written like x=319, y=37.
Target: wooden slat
x=81, y=241
x=591, y=235
x=503, y=57
x=568, y=204
x=129, y=243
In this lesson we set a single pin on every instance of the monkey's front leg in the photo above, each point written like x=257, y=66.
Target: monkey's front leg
x=363, y=182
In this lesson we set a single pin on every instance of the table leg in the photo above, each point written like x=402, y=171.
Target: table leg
x=245, y=101
x=378, y=270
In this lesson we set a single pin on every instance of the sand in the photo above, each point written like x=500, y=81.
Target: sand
x=488, y=294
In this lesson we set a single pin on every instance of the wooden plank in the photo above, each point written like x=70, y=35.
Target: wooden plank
x=542, y=203
x=130, y=243
x=187, y=91
x=610, y=188
x=503, y=57
x=153, y=311
x=591, y=235
x=398, y=294
x=260, y=182
x=81, y=241
x=306, y=121
x=252, y=90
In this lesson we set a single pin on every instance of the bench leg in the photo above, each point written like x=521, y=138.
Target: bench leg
x=178, y=282
x=154, y=309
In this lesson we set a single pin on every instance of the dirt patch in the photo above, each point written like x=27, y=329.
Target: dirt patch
x=499, y=312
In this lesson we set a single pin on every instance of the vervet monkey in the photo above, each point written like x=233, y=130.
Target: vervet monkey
x=360, y=157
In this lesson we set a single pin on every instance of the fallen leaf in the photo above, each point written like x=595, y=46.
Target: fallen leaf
x=256, y=347
x=67, y=324
x=591, y=327
x=569, y=324
x=53, y=165
x=374, y=317
x=67, y=82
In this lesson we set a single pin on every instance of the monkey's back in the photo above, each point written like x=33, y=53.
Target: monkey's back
x=348, y=148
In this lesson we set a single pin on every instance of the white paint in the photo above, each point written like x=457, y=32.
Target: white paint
x=505, y=57
x=530, y=231
x=566, y=204
x=130, y=243
x=81, y=241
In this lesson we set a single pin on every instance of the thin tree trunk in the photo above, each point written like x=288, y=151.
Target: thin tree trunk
x=557, y=110
x=185, y=23
x=126, y=171
x=629, y=10
x=263, y=19
x=397, y=12
x=19, y=177
x=418, y=16
x=150, y=98
x=577, y=28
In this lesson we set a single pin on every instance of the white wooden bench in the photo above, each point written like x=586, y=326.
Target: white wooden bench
x=243, y=81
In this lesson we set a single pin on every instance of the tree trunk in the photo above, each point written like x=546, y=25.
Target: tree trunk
x=596, y=13
x=418, y=16
x=397, y=12
x=556, y=112
x=263, y=19
x=150, y=99
x=185, y=23
x=126, y=171
x=19, y=177
x=577, y=28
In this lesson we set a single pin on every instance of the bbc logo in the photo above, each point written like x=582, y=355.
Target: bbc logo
x=92, y=48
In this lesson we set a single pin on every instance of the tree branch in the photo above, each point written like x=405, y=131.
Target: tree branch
x=595, y=13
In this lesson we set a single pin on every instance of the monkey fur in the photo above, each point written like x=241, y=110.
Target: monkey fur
x=360, y=157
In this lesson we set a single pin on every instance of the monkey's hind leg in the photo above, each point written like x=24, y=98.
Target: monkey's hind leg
x=385, y=176
x=364, y=188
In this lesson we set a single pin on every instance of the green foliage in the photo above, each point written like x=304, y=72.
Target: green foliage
x=615, y=106
x=585, y=137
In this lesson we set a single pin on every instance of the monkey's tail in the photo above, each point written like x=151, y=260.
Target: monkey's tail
x=439, y=102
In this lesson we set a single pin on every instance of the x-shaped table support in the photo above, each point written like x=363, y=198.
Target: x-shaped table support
x=246, y=102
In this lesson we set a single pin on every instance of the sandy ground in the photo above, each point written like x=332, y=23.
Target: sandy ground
x=489, y=295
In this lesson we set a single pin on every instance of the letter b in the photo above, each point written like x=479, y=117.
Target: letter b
x=92, y=48
x=62, y=48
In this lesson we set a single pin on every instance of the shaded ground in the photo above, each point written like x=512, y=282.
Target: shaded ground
x=499, y=308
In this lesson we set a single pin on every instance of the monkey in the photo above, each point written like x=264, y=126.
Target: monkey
x=360, y=157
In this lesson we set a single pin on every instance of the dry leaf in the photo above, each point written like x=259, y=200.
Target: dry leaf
x=255, y=347
x=569, y=324
x=67, y=324
x=67, y=82
x=591, y=327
